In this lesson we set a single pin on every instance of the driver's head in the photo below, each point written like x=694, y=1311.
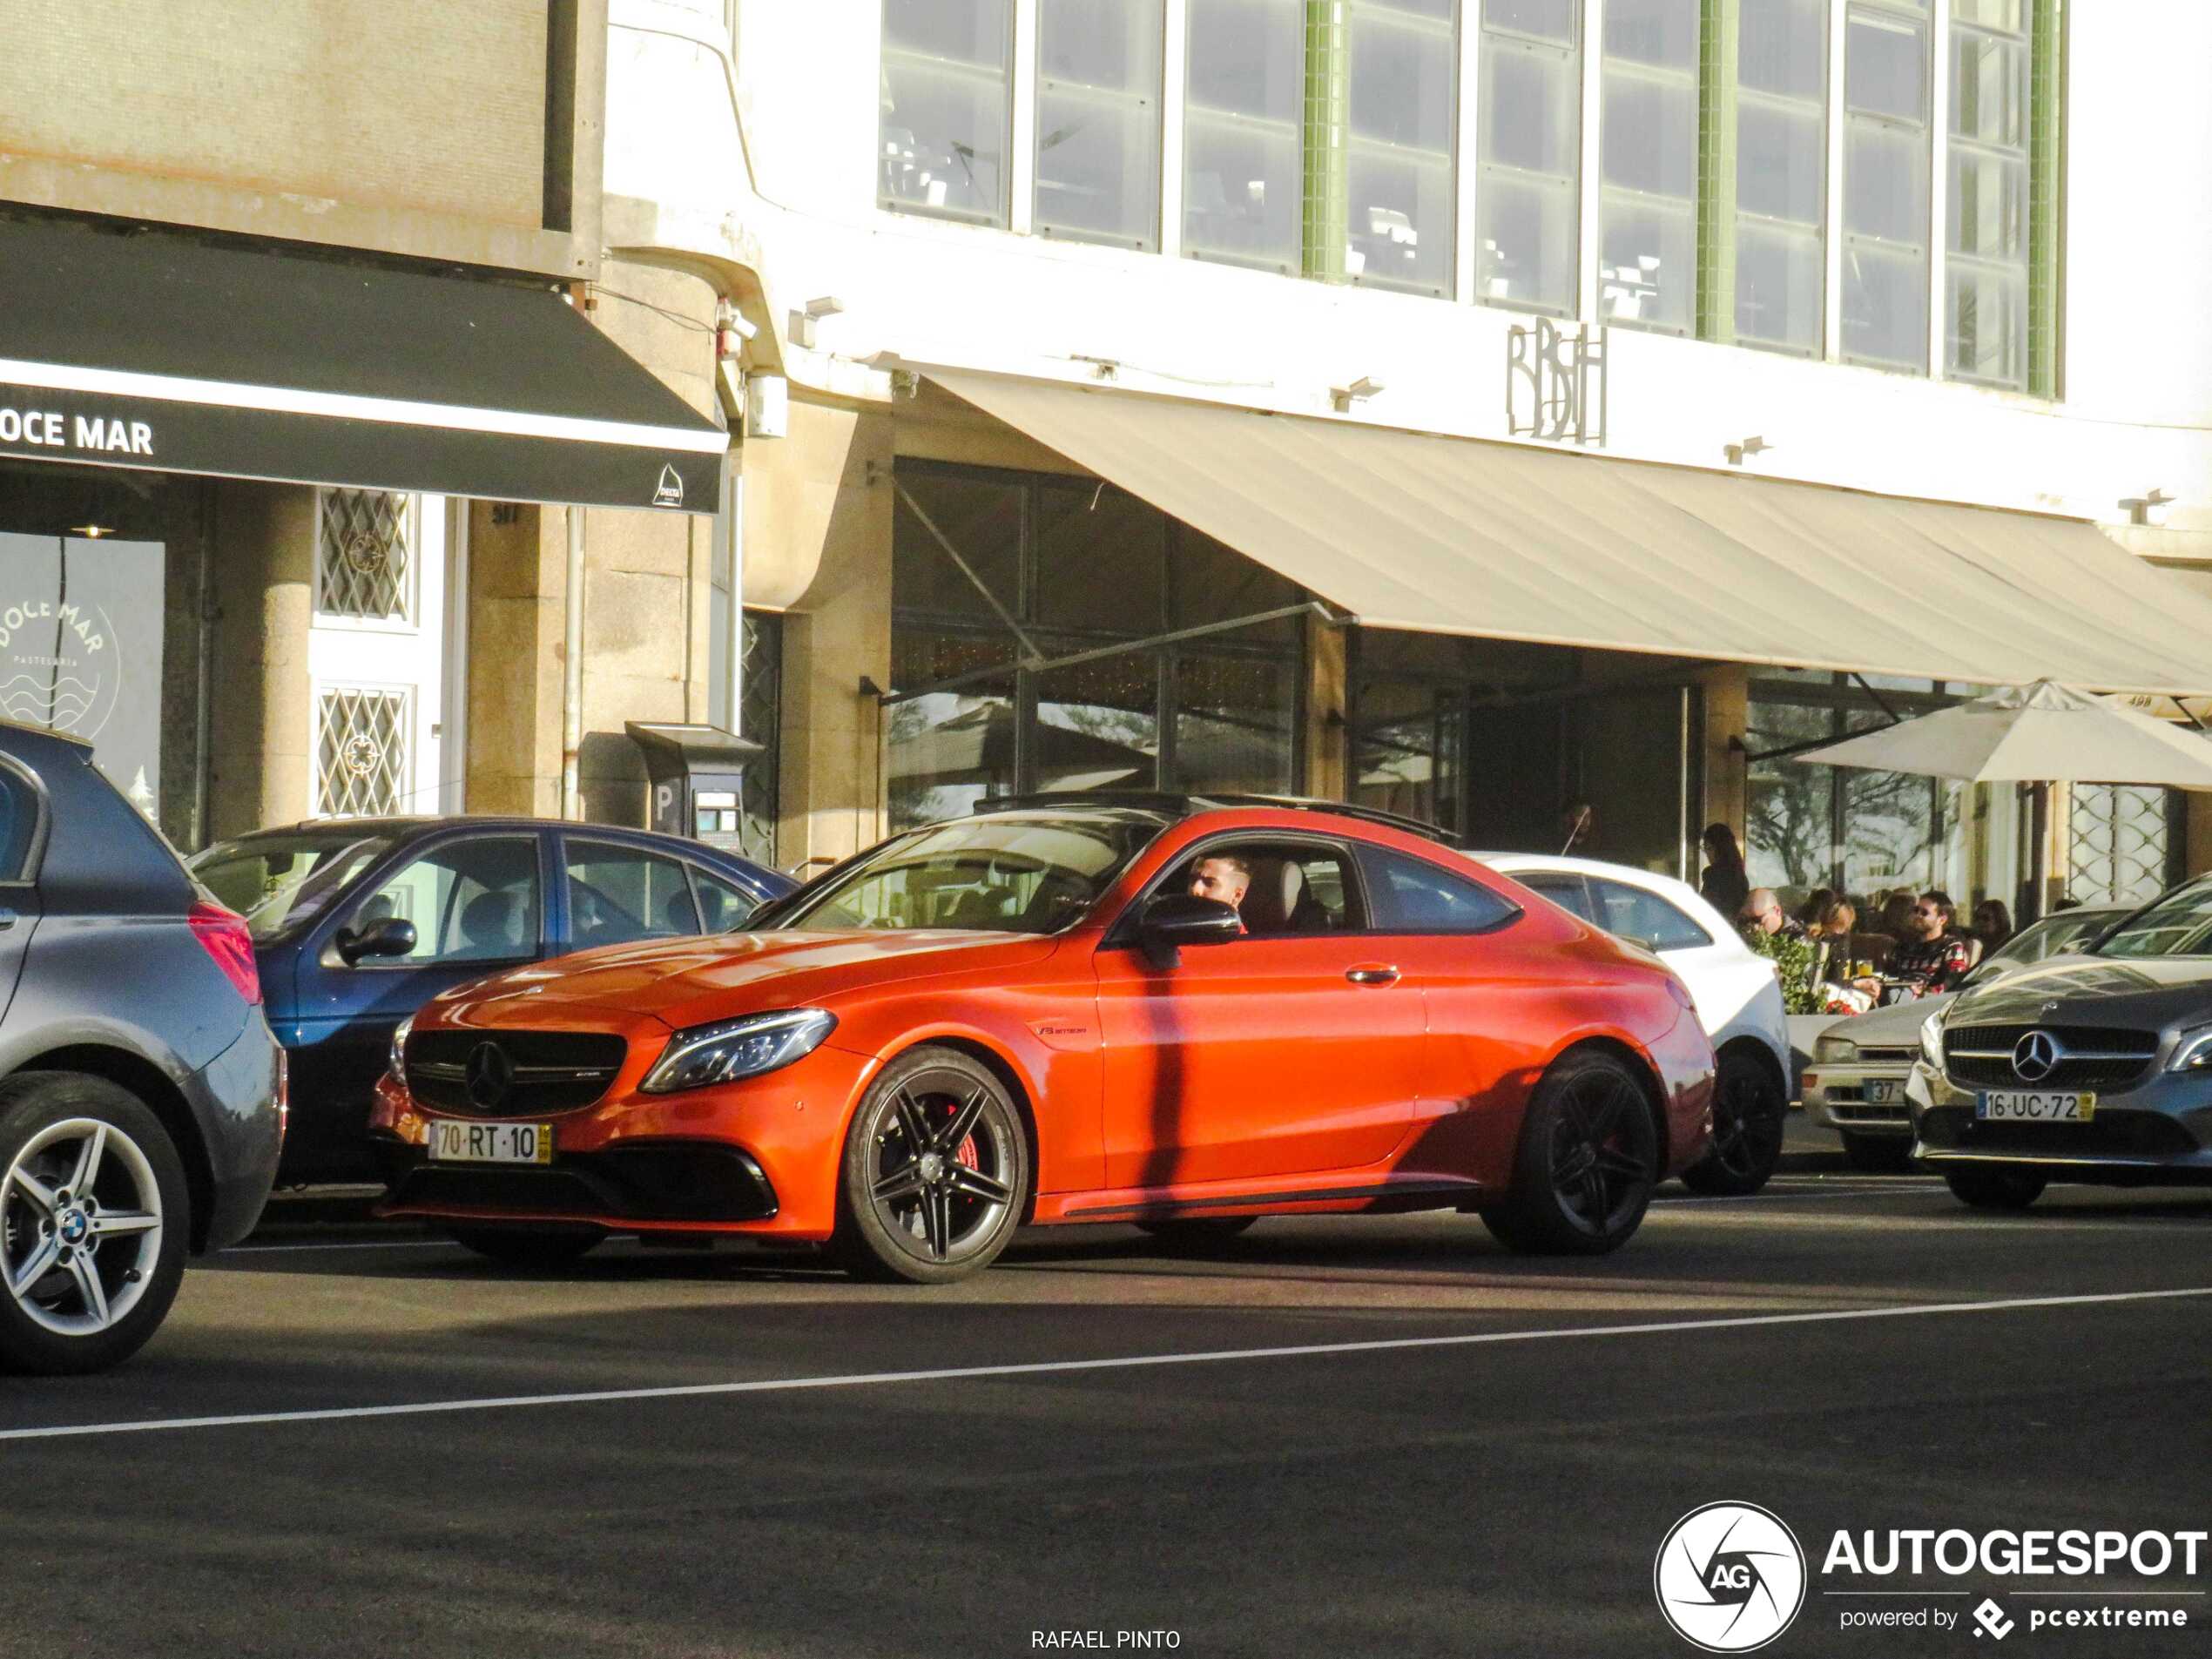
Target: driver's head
x=1224, y=876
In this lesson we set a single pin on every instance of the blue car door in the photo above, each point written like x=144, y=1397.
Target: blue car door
x=477, y=902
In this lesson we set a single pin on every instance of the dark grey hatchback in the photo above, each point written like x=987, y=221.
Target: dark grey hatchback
x=141, y=1091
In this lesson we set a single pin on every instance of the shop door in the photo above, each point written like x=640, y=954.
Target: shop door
x=376, y=655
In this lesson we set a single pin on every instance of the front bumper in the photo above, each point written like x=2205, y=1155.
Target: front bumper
x=757, y=1156
x=2159, y=1131
x=1837, y=1097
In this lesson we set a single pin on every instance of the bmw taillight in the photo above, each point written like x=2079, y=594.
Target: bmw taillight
x=222, y=933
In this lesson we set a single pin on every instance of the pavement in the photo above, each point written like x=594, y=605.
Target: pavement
x=1332, y=1436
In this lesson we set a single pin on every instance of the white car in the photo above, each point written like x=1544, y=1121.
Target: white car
x=1738, y=998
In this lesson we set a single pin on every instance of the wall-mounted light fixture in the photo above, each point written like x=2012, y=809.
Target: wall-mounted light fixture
x=802, y=322
x=1751, y=446
x=1344, y=396
x=2138, y=507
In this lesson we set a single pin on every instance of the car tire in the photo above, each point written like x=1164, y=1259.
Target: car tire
x=1195, y=1232
x=113, y=1246
x=1878, y=1154
x=1588, y=1160
x=1748, y=1110
x=936, y=1176
x=1995, y=1186
x=540, y=1248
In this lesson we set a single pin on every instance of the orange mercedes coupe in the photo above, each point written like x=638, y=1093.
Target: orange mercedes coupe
x=1181, y=1013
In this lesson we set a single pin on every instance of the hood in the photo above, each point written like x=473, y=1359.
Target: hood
x=690, y=980
x=1895, y=1027
x=2138, y=993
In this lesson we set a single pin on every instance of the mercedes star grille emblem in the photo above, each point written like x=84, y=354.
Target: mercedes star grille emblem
x=2036, y=1056
x=491, y=1074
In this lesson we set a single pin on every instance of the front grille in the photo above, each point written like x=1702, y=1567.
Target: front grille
x=677, y=1181
x=546, y=1071
x=2131, y=1134
x=1980, y=1057
x=1851, y=1111
x=1869, y=1056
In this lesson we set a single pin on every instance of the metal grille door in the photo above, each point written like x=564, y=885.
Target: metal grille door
x=2118, y=843
x=361, y=751
x=364, y=557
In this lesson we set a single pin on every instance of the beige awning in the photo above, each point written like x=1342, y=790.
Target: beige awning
x=1408, y=529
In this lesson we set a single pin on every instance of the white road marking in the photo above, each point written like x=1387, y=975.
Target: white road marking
x=1050, y=1368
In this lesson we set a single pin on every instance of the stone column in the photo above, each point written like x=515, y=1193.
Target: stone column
x=261, y=771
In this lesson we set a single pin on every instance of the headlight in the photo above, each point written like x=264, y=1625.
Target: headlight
x=1834, y=1051
x=1932, y=1040
x=2194, y=1052
x=733, y=1049
x=397, y=1059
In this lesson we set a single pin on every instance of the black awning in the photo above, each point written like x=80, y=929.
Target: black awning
x=152, y=350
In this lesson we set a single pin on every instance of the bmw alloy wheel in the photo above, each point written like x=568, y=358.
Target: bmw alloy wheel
x=81, y=1224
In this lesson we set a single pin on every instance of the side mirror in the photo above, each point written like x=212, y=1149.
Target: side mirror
x=388, y=936
x=1175, y=919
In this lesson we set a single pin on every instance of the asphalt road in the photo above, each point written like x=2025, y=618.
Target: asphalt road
x=1331, y=1436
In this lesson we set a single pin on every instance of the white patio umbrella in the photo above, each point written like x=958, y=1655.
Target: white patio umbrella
x=2045, y=733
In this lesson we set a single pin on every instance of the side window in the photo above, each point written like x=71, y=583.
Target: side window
x=1563, y=889
x=470, y=901
x=1414, y=896
x=1645, y=917
x=18, y=821
x=618, y=894
x=723, y=907
x=1279, y=887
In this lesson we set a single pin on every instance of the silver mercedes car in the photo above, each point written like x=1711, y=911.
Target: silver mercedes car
x=2093, y=1068
x=1856, y=1082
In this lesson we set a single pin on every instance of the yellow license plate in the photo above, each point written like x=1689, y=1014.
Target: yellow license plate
x=2033, y=1106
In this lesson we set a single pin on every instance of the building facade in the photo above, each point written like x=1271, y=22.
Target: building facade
x=1890, y=247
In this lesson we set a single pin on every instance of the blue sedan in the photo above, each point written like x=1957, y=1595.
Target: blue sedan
x=357, y=922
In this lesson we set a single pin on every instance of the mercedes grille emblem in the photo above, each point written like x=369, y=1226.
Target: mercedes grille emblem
x=491, y=1074
x=2036, y=1056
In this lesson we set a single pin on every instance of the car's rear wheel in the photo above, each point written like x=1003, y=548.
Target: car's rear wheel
x=1195, y=1230
x=533, y=1247
x=935, y=1173
x=1995, y=1186
x=1748, y=1108
x=93, y=1221
x=1589, y=1159
x=1878, y=1154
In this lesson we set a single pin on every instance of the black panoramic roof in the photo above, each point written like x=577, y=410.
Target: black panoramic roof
x=1170, y=805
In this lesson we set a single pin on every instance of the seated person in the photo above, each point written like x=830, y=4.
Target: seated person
x=1223, y=876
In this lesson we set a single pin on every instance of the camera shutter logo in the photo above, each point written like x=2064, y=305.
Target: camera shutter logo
x=1730, y=1577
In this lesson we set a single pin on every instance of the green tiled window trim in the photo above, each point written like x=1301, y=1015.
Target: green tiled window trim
x=1323, y=210
x=2047, y=83
x=1716, y=49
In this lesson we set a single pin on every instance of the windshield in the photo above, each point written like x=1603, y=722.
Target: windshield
x=995, y=874
x=2178, y=924
x=275, y=881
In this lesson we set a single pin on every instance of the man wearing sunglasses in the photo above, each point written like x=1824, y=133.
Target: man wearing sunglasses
x=1931, y=957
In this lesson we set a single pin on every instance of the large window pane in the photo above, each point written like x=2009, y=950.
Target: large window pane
x=1233, y=724
x=1399, y=222
x=981, y=518
x=1098, y=120
x=1781, y=158
x=620, y=893
x=1531, y=155
x=1098, y=723
x=1780, y=173
x=1988, y=205
x=1985, y=309
x=1101, y=559
x=1988, y=88
x=1241, y=168
x=1209, y=581
x=473, y=901
x=1985, y=281
x=945, y=752
x=1781, y=48
x=1647, y=254
x=1778, y=280
x=943, y=125
x=1886, y=163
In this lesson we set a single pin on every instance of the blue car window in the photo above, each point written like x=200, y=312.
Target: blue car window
x=470, y=901
x=621, y=893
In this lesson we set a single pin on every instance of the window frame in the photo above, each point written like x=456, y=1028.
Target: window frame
x=1001, y=216
x=1704, y=940
x=1377, y=879
x=1121, y=933
x=404, y=857
x=1156, y=96
x=608, y=845
x=1574, y=53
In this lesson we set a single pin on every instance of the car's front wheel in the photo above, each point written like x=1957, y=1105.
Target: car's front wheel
x=1995, y=1186
x=1748, y=1108
x=93, y=1222
x=542, y=1249
x=1589, y=1159
x=935, y=1174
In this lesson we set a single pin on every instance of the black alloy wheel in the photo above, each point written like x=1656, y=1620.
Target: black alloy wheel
x=1749, y=1110
x=1878, y=1154
x=1589, y=1159
x=936, y=1171
x=1995, y=1186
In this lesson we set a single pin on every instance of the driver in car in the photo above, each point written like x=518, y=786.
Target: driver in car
x=1224, y=876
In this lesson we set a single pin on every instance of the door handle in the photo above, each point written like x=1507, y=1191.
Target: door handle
x=1373, y=973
